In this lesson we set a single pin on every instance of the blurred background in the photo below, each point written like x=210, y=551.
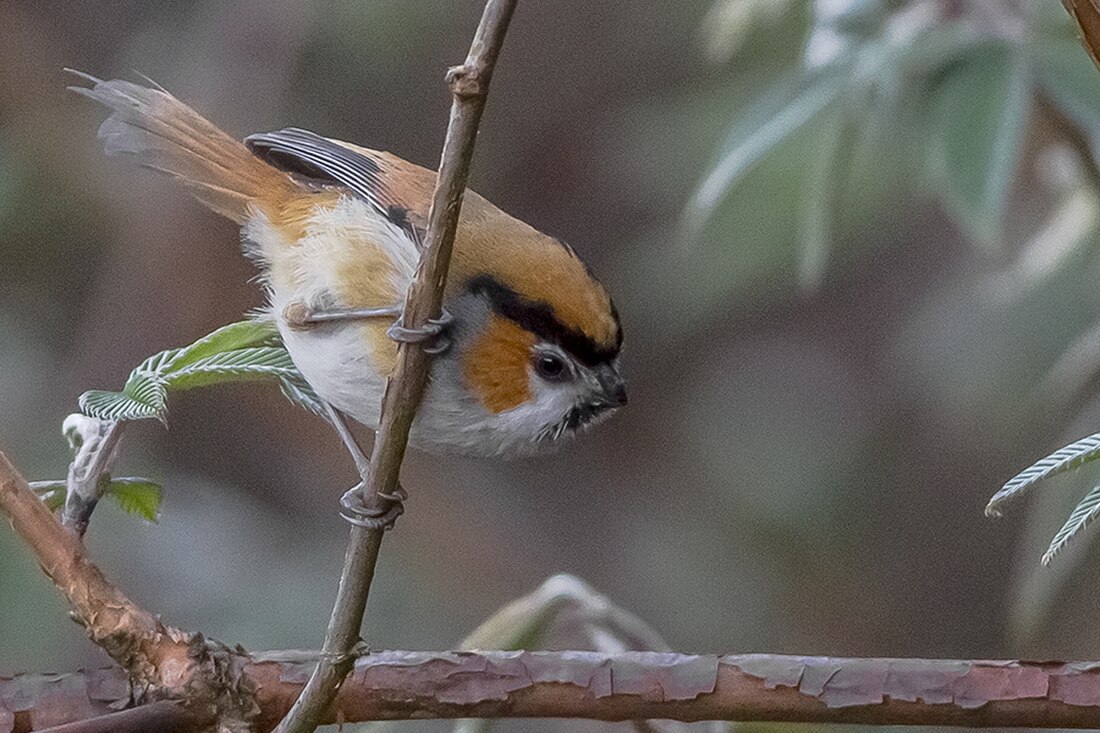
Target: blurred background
x=855, y=248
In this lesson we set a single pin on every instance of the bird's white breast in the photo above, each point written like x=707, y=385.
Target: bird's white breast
x=345, y=362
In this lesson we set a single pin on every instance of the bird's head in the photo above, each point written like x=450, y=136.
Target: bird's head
x=537, y=344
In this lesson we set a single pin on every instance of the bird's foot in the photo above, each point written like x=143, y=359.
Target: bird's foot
x=356, y=508
x=433, y=335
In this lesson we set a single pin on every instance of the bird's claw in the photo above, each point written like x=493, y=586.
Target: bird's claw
x=355, y=508
x=433, y=335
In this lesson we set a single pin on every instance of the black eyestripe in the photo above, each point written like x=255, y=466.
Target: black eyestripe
x=539, y=319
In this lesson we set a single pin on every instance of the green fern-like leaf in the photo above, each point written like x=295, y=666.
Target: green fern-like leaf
x=230, y=366
x=1082, y=515
x=144, y=396
x=244, y=351
x=296, y=389
x=140, y=497
x=1073, y=456
x=235, y=336
x=159, y=362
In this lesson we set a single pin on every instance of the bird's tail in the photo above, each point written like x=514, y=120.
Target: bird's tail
x=163, y=133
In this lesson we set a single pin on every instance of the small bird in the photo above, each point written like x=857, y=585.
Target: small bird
x=528, y=349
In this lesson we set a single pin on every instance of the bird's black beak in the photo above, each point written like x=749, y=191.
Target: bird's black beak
x=609, y=394
x=611, y=386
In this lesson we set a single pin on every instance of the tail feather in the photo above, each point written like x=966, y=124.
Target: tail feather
x=163, y=133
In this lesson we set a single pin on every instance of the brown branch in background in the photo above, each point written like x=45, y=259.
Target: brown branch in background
x=165, y=716
x=469, y=85
x=1087, y=15
x=646, y=685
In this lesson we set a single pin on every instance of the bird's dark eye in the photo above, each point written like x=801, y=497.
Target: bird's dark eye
x=550, y=367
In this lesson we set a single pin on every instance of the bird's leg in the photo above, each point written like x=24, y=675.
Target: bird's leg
x=298, y=315
x=354, y=506
x=433, y=334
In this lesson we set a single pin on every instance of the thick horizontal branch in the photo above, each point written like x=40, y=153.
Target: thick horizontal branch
x=639, y=685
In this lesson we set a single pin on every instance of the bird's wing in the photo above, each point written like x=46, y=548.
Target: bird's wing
x=400, y=191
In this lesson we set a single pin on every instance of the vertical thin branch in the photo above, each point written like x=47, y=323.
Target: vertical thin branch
x=469, y=85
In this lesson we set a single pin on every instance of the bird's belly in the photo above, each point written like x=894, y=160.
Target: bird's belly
x=347, y=256
x=339, y=363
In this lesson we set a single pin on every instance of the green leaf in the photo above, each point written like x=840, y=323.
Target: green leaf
x=244, y=351
x=1066, y=73
x=140, y=497
x=240, y=335
x=144, y=396
x=297, y=390
x=1085, y=512
x=939, y=45
x=982, y=110
x=157, y=363
x=765, y=125
x=824, y=184
x=729, y=23
x=1073, y=456
x=233, y=366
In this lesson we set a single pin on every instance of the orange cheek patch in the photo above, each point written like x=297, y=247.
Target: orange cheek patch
x=495, y=367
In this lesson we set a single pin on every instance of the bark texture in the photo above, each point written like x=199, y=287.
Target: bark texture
x=632, y=686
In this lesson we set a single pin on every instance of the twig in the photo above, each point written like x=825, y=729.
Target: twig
x=469, y=85
x=651, y=685
x=1087, y=15
x=164, y=716
x=90, y=465
x=161, y=663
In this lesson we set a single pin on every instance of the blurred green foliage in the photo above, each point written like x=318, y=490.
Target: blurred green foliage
x=964, y=78
x=932, y=92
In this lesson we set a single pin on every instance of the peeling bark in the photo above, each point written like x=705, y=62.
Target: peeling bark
x=632, y=686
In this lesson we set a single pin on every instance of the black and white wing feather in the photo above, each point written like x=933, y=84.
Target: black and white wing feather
x=307, y=154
